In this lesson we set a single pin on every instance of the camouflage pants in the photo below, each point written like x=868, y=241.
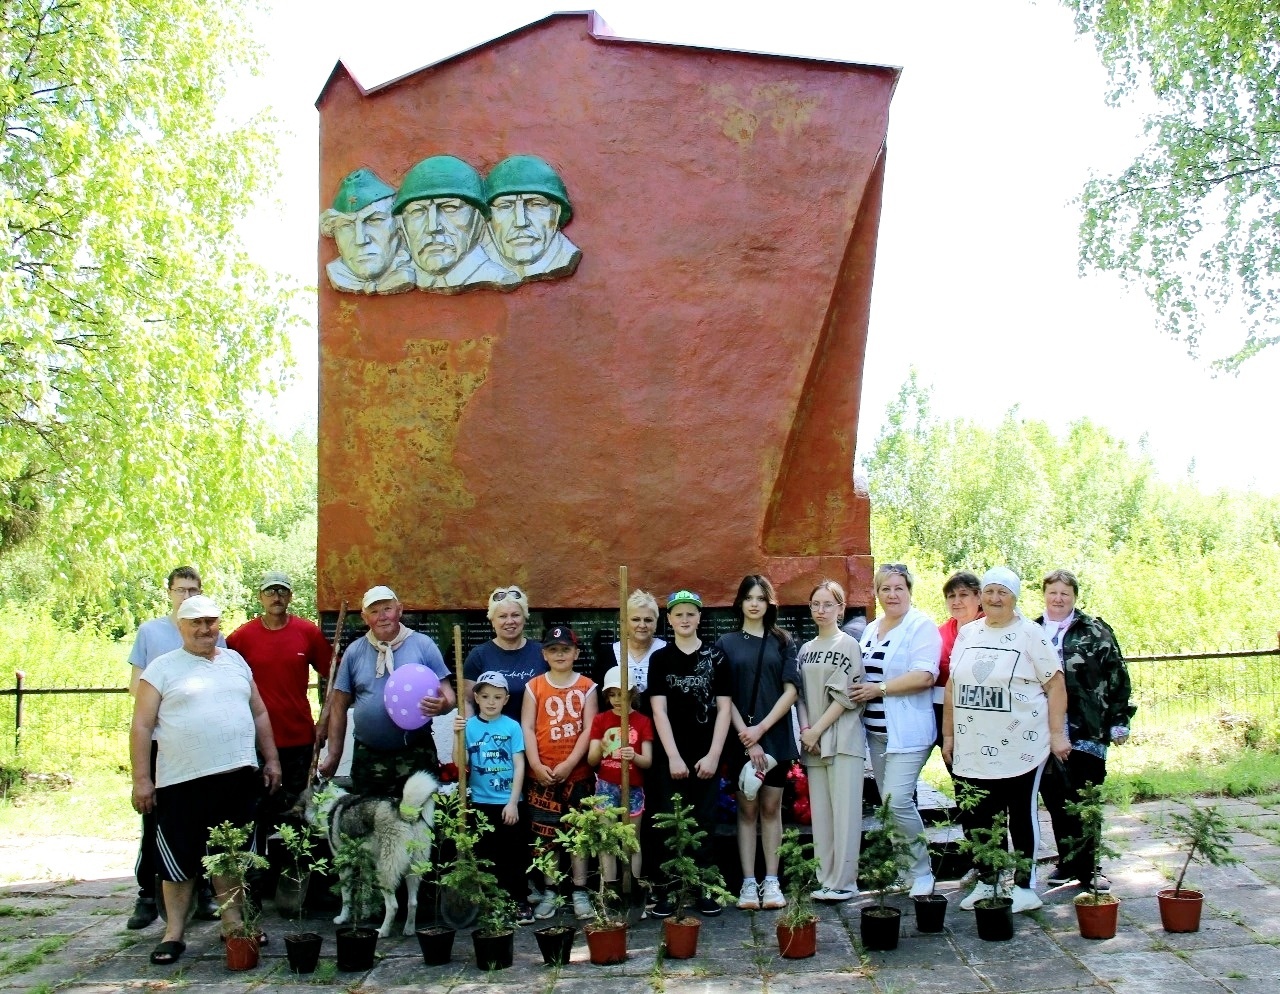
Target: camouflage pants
x=382, y=774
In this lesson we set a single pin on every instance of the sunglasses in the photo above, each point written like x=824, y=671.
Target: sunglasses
x=515, y=593
x=899, y=568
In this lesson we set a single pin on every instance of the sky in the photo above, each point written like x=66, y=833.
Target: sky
x=998, y=120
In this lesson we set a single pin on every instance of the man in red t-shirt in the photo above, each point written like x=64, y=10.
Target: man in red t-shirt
x=282, y=650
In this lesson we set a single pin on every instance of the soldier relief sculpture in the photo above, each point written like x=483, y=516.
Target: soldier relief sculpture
x=448, y=229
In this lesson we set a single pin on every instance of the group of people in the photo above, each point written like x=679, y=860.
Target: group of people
x=1002, y=696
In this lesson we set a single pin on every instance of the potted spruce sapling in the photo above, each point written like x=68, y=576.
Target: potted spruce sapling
x=356, y=865
x=435, y=940
x=299, y=842
x=555, y=940
x=994, y=862
x=493, y=937
x=595, y=828
x=797, y=927
x=230, y=859
x=1205, y=838
x=1097, y=912
x=886, y=856
x=689, y=880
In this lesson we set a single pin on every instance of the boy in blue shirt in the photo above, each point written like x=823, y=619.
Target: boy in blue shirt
x=495, y=776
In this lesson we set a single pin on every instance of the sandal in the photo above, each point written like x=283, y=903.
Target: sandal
x=167, y=953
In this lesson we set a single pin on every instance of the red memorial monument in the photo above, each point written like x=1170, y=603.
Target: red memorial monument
x=656, y=363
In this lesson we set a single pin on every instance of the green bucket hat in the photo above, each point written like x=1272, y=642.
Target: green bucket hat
x=360, y=189
x=441, y=176
x=529, y=174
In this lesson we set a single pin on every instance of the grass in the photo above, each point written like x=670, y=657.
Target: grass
x=13, y=911
x=31, y=960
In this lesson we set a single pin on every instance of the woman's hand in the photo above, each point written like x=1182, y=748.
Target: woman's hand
x=1060, y=745
x=144, y=796
x=810, y=739
x=756, y=755
x=864, y=693
x=948, y=747
x=750, y=735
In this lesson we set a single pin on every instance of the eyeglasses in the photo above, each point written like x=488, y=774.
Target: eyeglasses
x=185, y=591
x=824, y=605
x=499, y=594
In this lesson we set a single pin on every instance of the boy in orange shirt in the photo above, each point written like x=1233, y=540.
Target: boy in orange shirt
x=556, y=717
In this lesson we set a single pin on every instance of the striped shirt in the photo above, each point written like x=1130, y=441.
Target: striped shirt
x=873, y=663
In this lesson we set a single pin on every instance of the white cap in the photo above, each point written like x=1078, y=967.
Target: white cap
x=199, y=606
x=494, y=679
x=1005, y=577
x=750, y=780
x=613, y=678
x=375, y=594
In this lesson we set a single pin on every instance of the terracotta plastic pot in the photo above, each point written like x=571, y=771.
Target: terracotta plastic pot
x=356, y=946
x=879, y=928
x=303, y=950
x=494, y=952
x=681, y=937
x=1180, y=909
x=242, y=952
x=931, y=912
x=556, y=943
x=607, y=945
x=798, y=942
x=1098, y=921
x=436, y=943
x=994, y=917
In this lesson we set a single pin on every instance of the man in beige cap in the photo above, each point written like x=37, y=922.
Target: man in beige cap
x=385, y=755
x=209, y=716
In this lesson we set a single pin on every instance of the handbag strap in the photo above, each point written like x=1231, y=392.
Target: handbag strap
x=755, y=689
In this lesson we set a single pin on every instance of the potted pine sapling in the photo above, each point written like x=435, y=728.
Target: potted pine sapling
x=886, y=856
x=798, y=926
x=494, y=935
x=302, y=948
x=1205, y=839
x=555, y=940
x=1097, y=912
x=689, y=880
x=991, y=857
x=229, y=862
x=357, y=868
x=595, y=828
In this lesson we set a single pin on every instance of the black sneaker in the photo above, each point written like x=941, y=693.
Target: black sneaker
x=144, y=913
x=1060, y=877
x=708, y=908
x=524, y=914
x=665, y=908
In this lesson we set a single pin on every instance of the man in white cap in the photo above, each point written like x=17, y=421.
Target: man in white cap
x=201, y=703
x=282, y=650
x=385, y=755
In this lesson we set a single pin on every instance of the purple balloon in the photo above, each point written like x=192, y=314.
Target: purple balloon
x=404, y=690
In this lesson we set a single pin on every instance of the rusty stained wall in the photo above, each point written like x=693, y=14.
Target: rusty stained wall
x=685, y=404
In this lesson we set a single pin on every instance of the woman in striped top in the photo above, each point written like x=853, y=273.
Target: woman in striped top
x=900, y=651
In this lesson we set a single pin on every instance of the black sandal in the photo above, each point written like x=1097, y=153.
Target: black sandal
x=168, y=953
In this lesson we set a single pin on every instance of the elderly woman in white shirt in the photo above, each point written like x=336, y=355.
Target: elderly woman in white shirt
x=900, y=651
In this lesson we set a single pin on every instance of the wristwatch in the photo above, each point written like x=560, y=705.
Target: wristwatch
x=884, y=689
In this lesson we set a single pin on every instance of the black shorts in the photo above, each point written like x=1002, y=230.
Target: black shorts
x=186, y=811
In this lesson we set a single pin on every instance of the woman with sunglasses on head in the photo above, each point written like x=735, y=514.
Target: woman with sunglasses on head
x=833, y=743
x=764, y=677
x=509, y=652
x=642, y=627
x=900, y=651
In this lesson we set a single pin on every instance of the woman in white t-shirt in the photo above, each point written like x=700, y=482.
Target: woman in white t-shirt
x=1005, y=710
x=900, y=652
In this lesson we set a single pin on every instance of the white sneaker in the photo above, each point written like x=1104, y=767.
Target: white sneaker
x=1025, y=899
x=582, y=905
x=980, y=892
x=970, y=877
x=771, y=896
x=546, y=906
x=923, y=886
x=821, y=894
x=749, y=896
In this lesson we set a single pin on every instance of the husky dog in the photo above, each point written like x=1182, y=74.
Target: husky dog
x=395, y=834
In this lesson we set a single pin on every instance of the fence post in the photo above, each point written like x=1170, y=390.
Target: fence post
x=19, y=676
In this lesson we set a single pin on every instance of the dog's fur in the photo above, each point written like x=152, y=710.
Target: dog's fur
x=393, y=840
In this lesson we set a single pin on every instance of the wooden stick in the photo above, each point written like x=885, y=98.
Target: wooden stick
x=624, y=726
x=335, y=664
x=460, y=739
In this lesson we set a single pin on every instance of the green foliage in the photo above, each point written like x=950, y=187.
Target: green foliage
x=231, y=859
x=1195, y=219
x=354, y=861
x=470, y=874
x=683, y=838
x=1164, y=564
x=886, y=853
x=595, y=828
x=1090, y=810
x=300, y=845
x=1205, y=836
x=800, y=875
x=988, y=847
x=137, y=338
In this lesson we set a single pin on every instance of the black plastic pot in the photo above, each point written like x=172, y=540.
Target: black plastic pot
x=356, y=946
x=303, y=950
x=436, y=943
x=494, y=952
x=556, y=943
x=879, y=927
x=995, y=919
x=931, y=912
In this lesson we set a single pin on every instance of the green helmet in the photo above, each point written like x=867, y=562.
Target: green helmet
x=529, y=174
x=360, y=189
x=441, y=176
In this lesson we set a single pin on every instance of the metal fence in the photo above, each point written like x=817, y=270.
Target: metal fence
x=63, y=728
